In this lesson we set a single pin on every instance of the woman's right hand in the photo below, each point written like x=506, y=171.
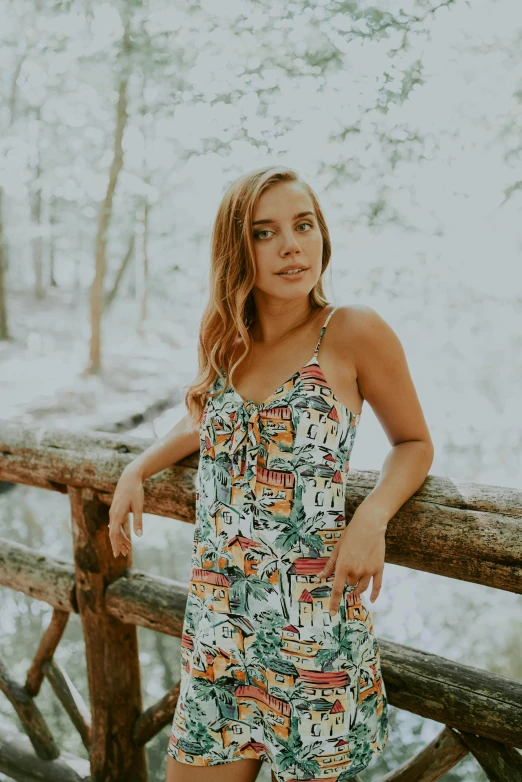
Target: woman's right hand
x=128, y=497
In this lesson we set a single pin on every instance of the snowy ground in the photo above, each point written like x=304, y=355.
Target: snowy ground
x=42, y=372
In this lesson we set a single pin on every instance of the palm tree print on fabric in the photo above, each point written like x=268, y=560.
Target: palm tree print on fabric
x=266, y=673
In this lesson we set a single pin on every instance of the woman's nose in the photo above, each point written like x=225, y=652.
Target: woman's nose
x=290, y=241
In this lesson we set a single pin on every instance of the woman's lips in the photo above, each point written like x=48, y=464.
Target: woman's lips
x=292, y=275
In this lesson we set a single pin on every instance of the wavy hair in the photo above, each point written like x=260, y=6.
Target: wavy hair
x=231, y=309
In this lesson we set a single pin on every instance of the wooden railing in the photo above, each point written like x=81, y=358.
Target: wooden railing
x=462, y=530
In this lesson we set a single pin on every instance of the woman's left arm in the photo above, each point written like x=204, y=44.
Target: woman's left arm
x=384, y=381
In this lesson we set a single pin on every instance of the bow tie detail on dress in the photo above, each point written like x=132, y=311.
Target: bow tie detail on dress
x=246, y=441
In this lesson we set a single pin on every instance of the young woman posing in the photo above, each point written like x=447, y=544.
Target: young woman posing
x=280, y=663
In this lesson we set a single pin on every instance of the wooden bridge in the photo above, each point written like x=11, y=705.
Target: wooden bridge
x=461, y=530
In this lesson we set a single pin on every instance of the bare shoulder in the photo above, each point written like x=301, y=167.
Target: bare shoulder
x=359, y=327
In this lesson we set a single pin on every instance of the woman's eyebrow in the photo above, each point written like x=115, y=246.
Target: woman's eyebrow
x=299, y=214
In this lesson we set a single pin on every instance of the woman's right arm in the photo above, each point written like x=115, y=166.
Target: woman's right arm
x=179, y=442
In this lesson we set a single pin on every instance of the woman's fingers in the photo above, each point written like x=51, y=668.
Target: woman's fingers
x=125, y=543
x=337, y=592
x=119, y=541
x=138, y=520
x=363, y=585
x=359, y=586
x=330, y=565
x=377, y=584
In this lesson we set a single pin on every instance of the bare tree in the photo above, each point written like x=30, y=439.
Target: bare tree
x=111, y=295
x=142, y=264
x=36, y=218
x=52, y=224
x=97, y=289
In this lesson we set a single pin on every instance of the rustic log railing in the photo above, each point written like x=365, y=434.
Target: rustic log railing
x=461, y=530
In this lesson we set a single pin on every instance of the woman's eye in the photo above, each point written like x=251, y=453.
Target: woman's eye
x=257, y=234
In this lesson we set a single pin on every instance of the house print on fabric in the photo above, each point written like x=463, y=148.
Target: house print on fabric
x=266, y=673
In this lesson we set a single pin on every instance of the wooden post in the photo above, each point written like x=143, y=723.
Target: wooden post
x=111, y=647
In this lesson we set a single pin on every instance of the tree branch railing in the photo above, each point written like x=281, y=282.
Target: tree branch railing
x=461, y=530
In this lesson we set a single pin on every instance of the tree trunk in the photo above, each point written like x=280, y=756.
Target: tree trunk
x=52, y=258
x=142, y=239
x=36, y=227
x=97, y=289
x=142, y=265
x=119, y=276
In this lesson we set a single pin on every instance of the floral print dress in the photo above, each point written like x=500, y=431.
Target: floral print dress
x=266, y=673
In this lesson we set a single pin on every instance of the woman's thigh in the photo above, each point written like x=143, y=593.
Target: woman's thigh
x=235, y=771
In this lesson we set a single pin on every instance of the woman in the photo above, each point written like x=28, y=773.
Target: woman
x=279, y=660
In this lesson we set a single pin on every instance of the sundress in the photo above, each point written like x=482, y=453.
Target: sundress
x=266, y=673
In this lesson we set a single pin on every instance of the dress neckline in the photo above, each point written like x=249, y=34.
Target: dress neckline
x=314, y=356
x=262, y=405
x=249, y=403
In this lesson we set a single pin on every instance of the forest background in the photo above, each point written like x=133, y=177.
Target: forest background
x=121, y=124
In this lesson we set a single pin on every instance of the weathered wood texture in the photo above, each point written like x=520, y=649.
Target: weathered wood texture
x=18, y=761
x=432, y=762
x=111, y=649
x=70, y=699
x=37, y=575
x=29, y=715
x=477, y=546
x=460, y=530
x=501, y=763
x=463, y=495
x=156, y=716
x=150, y=601
x=49, y=642
x=460, y=696
x=58, y=458
x=135, y=598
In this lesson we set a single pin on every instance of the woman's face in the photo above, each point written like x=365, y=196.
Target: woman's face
x=285, y=231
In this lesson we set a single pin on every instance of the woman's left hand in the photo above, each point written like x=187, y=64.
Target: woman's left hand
x=358, y=557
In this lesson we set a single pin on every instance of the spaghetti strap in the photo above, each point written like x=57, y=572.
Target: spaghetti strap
x=323, y=329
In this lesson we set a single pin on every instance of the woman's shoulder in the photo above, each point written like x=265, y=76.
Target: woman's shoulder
x=359, y=317
x=358, y=325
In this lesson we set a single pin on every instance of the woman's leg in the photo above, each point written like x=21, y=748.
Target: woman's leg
x=235, y=771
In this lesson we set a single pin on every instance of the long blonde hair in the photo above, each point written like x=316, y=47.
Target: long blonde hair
x=230, y=310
